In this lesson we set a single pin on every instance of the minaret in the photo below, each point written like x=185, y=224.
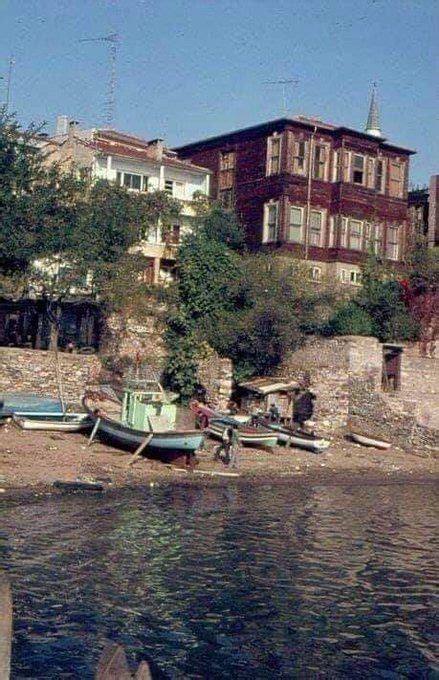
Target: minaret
x=373, y=119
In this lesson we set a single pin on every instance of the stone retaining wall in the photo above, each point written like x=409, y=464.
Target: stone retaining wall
x=32, y=370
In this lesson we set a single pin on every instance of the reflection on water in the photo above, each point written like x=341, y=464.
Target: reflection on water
x=242, y=581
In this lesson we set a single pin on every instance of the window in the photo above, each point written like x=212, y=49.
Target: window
x=358, y=170
x=299, y=161
x=315, y=273
x=336, y=167
x=396, y=179
x=331, y=241
x=343, y=276
x=344, y=233
x=296, y=221
x=175, y=189
x=379, y=176
x=227, y=169
x=319, y=162
x=372, y=238
x=273, y=164
x=226, y=199
x=392, y=250
x=174, y=236
x=355, y=278
x=271, y=221
x=315, y=228
x=355, y=235
x=132, y=181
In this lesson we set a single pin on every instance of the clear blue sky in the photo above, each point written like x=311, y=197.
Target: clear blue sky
x=188, y=69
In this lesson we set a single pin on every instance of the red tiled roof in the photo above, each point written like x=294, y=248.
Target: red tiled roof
x=127, y=151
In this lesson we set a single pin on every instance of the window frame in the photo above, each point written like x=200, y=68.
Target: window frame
x=312, y=230
x=302, y=214
x=359, y=235
x=276, y=137
x=363, y=169
x=318, y=165
x=393, y=228
x=266, y=226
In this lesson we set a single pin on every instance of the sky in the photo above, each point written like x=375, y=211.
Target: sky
x=190, y=69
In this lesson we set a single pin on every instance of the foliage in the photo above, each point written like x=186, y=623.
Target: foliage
x=350, y=319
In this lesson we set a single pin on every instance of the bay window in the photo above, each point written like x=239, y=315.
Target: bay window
x=315, y=228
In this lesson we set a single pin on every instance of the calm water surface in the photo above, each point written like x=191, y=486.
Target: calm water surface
x=235, y=582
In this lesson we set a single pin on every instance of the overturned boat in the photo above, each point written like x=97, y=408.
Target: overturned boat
x=53, y=422
x=146, y=413
x=367, y=440
x=296, y=437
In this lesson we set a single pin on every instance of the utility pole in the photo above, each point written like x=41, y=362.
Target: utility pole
x=283, y=82
x=111, y=40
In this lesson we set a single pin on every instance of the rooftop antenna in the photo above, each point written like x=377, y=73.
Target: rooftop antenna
x=284, y=82
x=11, y=62
x=112, y=40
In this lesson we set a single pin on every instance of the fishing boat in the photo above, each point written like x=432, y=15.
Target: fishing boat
x=56, y=422
x=296, y=437
x=146, y=413
x=26, y=402
x=248, y=436
x=215, y=423
x=366, y=440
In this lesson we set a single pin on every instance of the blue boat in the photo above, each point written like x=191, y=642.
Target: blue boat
x=27, y=402
x=145, y=413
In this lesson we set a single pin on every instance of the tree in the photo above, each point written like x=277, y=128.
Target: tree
x=61, y=236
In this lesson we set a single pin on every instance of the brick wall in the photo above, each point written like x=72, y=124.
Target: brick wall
x=32, y=370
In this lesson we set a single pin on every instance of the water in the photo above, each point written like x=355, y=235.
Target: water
x=235, y=582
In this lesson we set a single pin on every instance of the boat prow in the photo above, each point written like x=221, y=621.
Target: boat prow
x=366, y=440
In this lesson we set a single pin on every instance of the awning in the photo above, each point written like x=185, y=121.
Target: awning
x=268, y=385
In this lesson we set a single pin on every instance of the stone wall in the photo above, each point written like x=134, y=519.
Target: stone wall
x=126, y=337
x=215, y=376
x=32, y=370
x=345, y=375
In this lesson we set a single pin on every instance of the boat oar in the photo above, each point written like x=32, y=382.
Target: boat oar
x=94, y=431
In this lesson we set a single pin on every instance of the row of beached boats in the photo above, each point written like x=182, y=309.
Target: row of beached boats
x=146, y=419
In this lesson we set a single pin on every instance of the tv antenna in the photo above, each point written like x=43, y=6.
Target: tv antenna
x=112, y=40
x=283, y=82
x=11, y=62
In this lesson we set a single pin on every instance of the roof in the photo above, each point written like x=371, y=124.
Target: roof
x=267, y=385
x=301, y=121
x=144, y=154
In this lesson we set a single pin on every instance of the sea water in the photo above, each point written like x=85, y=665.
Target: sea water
x=238, y=581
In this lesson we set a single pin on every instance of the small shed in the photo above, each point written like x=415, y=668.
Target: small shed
x=261, y=393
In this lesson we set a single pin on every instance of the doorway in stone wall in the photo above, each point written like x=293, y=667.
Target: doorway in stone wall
x=391, y=378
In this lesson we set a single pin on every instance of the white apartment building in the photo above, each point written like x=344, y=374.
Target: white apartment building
x=138, y=165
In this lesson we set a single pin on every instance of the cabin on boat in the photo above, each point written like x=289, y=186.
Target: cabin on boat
x=258, y=394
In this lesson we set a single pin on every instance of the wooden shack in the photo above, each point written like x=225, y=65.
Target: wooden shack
x=258, y=394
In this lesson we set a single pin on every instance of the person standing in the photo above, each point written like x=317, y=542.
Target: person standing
x=235, y=448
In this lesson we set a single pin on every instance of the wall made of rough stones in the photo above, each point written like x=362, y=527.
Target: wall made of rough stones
x=345, y=375
x=215, y=376
x=32, y=370
x=127, y=337
x=331, y=364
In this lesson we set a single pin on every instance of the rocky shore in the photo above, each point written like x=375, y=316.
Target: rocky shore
x=35, y=460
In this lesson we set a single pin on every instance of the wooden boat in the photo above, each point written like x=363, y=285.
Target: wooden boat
x=249, y=436
x=215, y=422
x=26, y=402
x=365, y=440
x=56, y=422
x=296, y=437
x=144, y=411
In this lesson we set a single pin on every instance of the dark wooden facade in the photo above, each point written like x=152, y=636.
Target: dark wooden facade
x=293, y=182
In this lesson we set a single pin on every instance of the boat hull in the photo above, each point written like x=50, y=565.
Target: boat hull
x=247, y=436
x=69, y=422
x=369, y=441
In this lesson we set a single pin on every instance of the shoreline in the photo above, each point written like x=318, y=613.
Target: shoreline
x=30, y=462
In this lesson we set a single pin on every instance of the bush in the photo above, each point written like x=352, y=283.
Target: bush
x=350, y=320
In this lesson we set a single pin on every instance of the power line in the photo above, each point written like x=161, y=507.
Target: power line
x=112, y=40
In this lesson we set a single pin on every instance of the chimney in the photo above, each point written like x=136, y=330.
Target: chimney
x=62, y=123
x=72, y=127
